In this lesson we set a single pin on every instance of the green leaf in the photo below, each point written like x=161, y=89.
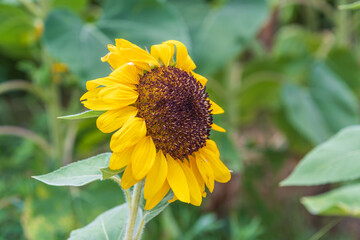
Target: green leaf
x=143, y=22
x=322, y=109
x=344, y=201
x=335, y=101
x=304, y=114
x=82, y=115
x=150, y=214
x=295, y=42
x=78, y=173
x=84, y=47
x=221, y=38
x=108, y=225
x=338, y=159
x=42, y=209
x=350, y=6
x=343, y=61
x=108, y=173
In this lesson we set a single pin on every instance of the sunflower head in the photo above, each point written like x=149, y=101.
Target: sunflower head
x=162, y=117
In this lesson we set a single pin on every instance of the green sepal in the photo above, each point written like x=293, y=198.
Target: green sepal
x=108, y=173
x=82, y=115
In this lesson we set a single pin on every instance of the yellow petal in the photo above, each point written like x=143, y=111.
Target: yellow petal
x=195, y=193
x=183, y=60
x=119, y=160
x=114, y=59
x=221, y=172
x=197, y=174
x=205, y=170
x=127, y=179
x=211, y=145
x=217, y=128
x=127, y=74
x=143, y=157
x=131, y=133
x=134, y=53
x=177, y=180
x=94, y=101
x=153, y=201
x=200, y=78
x=216, y=109
x=156, y=176
x=126, y=52
x=107, y=98
x=115, y=119
x=90, y=85
x=121, y=94
x=163, y=52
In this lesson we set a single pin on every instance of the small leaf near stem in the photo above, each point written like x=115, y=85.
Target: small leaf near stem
x=133, y=211
x=82, y=115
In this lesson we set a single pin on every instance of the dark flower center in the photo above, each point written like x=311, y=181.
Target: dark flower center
x=176, y=111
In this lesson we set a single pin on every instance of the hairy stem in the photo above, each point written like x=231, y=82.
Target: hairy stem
x=133, y=211
x=141, y=227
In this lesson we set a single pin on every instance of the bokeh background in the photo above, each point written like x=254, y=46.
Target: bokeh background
x=285, y=71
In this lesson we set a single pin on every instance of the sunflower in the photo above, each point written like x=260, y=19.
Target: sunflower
x=162, y=117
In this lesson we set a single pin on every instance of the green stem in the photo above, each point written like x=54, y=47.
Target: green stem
x=343, y=26
x=53, y=108
x=325, y=229
x=141, y=227
x=133, y=211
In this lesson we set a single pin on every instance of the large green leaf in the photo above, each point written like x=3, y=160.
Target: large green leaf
x=139, y=21
x=76, y=43
x=343, y=61
x=344, y=201
x=323, y=108
x=78, y=173
x=304, y=114
x=143, y=22
x=107, y=226
x=225, y=31
x=295, y=42
x=334, y=99
x=338, y=159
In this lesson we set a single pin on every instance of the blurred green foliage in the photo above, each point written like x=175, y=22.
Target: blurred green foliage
x=286, y=72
